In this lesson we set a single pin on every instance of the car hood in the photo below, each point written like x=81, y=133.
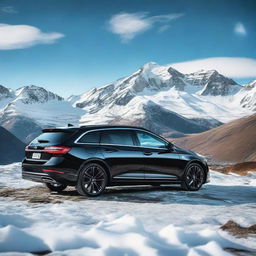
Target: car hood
x=184, y=151
x=188, y=152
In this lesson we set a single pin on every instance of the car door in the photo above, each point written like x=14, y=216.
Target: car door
x=160, y=160
x=121, y=154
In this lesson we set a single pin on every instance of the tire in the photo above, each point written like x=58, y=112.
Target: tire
x=55, y=187
x=194, y=177
x=92, y=180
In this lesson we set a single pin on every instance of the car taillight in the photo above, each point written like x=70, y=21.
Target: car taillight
x=57, y=150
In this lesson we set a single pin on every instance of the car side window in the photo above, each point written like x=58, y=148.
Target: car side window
x=148, y=140
x=91, y=137
x=120, y=137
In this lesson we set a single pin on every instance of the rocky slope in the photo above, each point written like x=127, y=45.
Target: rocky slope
x=249, y=100
x=233, y=142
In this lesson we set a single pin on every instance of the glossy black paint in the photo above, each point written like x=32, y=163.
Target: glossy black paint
x=125, y=165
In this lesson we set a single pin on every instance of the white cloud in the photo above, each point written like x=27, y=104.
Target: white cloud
x=9, y=9
x=129, y=25
x=240, y=29
x=24, y=36
x=229, y=66
x=164, y=28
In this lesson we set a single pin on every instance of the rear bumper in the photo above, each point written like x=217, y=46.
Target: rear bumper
x=38, y=177
x=46, y=173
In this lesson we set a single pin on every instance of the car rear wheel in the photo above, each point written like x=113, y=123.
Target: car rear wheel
x=92, y=180
x=57, y=187
x=194, y=177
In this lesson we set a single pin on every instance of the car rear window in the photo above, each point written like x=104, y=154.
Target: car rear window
x=90, y=137
x=51, y=138
x=120, y=137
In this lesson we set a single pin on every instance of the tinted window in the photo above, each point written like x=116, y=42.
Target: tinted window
x=51, y=137
x=148, y=140
x=90, y=137
x=117, y=137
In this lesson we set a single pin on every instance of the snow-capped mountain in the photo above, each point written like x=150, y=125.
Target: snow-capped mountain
x=152, y=79
x=249, y=100
x=206, y=97
x=31, y=108
x=157, y=97
x=4, y=92
x=213, y=83
x=34, y=94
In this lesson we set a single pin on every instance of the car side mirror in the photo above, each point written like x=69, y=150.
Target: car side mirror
x=170, y=146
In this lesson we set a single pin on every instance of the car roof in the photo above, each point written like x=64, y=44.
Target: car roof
x=72, y=129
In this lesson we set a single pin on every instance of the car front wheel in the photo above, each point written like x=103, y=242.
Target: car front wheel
x=194, y=177
x=92, y=180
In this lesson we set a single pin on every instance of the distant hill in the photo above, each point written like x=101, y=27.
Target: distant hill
x=11, y=148
x=234, y=142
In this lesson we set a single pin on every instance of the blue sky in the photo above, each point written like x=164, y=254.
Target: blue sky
x=70, y=46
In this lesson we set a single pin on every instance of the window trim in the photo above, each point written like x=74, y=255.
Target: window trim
x=133, y=130
x=81, y=136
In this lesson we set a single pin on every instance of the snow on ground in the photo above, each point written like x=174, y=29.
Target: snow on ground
x=131, y=221
x=11, y=177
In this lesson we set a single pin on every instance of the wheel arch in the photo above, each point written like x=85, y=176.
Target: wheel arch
x=97, y=161
x=205, y=168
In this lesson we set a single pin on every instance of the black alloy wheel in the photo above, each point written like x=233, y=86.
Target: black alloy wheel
x=194, y=177
x=57, y=187
x=92, y=180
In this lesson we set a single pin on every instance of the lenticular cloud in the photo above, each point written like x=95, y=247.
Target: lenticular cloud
x=229, y=66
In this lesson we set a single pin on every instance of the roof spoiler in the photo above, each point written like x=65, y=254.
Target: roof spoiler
x=58, y=130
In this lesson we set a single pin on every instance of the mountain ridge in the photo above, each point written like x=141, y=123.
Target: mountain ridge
x=204, y=100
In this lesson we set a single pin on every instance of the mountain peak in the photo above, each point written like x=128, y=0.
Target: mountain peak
x=4, y=91
x=174, y=71
x=150, y=65
x=204, y=72
x=34, y=94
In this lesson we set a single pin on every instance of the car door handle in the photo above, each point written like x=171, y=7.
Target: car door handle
x=147, y=153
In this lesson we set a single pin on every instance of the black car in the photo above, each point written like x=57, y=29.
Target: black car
x=93, y=157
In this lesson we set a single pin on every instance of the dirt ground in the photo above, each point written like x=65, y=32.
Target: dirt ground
x=237, y=230
x=243, y=169
x=41, y=194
